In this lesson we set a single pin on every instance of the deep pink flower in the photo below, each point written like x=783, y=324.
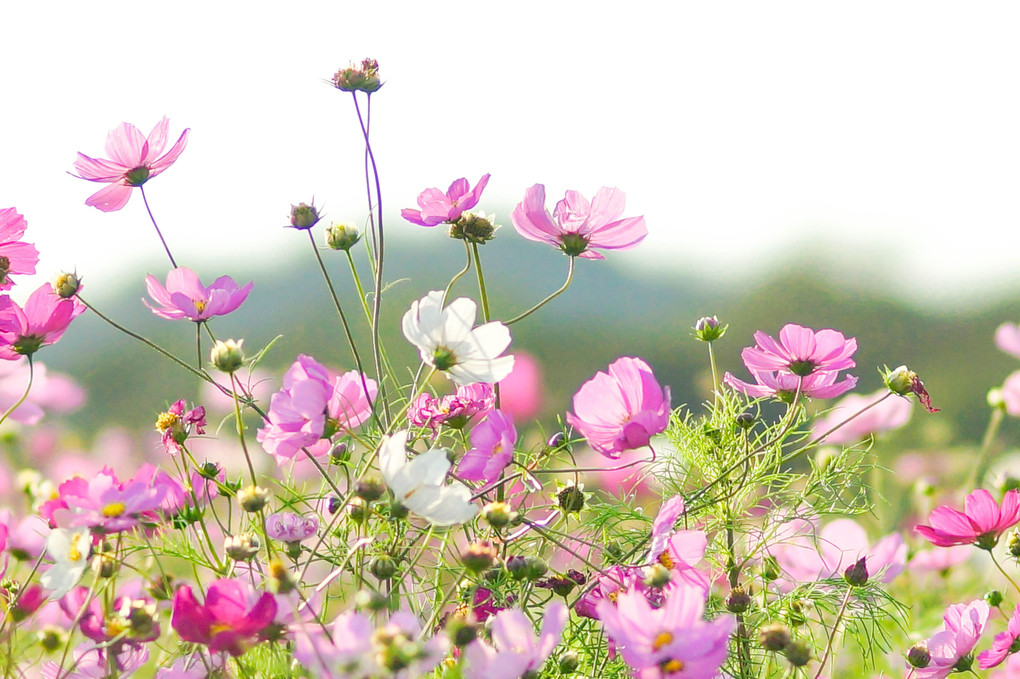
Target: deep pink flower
x=622, y=409
x=185, y=297
x=1003, y=643
x=438, y=207
x=134, y=159
x=176, y=425
x=453, y=410
x=515, y=650
x=15, y=256
x=890, y=413
x=672, y=641
x=520, y=392
x=980, y=523
x=801, y=351
x=42, y=321
x=492, y=448
x=784, y=385
x=578, y=227
x=960, y=634
x=224, y=622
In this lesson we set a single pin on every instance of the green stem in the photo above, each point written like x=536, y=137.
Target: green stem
x=481, y=283
x=28, y=388
x=460, y=274
x=1004, y=573
x=986, y=447
x=566, y=284
x=835, y=631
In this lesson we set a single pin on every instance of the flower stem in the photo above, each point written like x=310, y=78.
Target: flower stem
x=1004, y=573
x=986, y=446
x=158, y=232
x=459, y=274
x=566, y=284
x=835, y=631
x=481, y=283
x=28, y=388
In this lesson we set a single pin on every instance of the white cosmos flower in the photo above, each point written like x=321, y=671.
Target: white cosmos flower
x=70, y=553
x=445, y=338
x=420, y=484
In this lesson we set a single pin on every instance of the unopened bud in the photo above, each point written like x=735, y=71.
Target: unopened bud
x=479, y=556
x=657, y=575
x=66, y=285
x=357, y=509
x=371, y=487
x=569, y=662
x=798, y=653
x=51, y=638
x=368, y=600
x=770, y=569
x=497, y=514
x=745, y=420
x=280, y=579
x=774, y=637
x=993, y=597
x=918, y=656
x=227, y=356
x=362, y=78
x=339, y=453
x=252, y=498
x=738, y=601
x=242, y=547
x=556, y=440
x=708, y=329
x=342, y=236
x=857, y=574
x=383, y=567
x=303, y=216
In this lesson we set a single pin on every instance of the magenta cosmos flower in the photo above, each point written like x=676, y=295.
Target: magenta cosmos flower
x=42, y=321
x=1003, y=644
x=185, y=297
x=224, y=622
x=954, y=643
x=15, y=256
x=134, y=160
x=981, y=522
x=579, y=227
x=438, y=207
x=453, y=410
x=800, y=351
x=622, y=409
x=492, y=448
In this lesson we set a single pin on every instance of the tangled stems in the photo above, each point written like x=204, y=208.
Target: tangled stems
x=158, y=232
x=566, y=284
x=835, y=631
x=28, y=388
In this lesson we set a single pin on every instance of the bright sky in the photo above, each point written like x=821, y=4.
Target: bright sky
x=743, y=131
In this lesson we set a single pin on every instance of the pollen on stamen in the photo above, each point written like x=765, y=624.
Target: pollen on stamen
x=672, y=666
x=113, y=509
x=666, y=560
x=662, y=639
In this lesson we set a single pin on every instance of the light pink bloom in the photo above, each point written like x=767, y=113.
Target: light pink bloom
x=50, y=391
x=939, y=559
x=960, y=634
x=290, y=527
x=438, y=207
x=891, y=413
x=42, y=321
x=105, y=504
x=91, y=662
x=225, y=622
x=980, y=523
x=1003, y=643
x=134, y=159
x=578, y=227
x=672, y=641
x=679, y=551
x=1007, y=338
x=1011, y=670
x=492, y=448
x=784, y=385
x=800, y=351
x=841, y=543
x=1011, y=394
x=453, y=410
x=185, y=297
x=15, y=256
x=520, y=392
x=622, y=409
x=516, y=650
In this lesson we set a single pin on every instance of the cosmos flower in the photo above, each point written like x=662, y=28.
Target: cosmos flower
x=960, y=634
x=981, y=522
x=225, y=622
x=15, y=256
x=492, y=448
x=515, y=650
x=134, y=160
x=438, y=207
x=184, y=296
x=800, y=351
x=420, y=484
x=42, y=321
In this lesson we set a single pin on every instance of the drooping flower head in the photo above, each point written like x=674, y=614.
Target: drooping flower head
x=42, y=321
x=290, y=527
x=16, y=257
x=980, y=523
x=622, y=409
x=951, y=648
x=225, y=622
x=447, y=340
x=362, y=78
x=184, y=296
x=578, y=227
x=492, y=448
x=134, y=160
x=438, y=207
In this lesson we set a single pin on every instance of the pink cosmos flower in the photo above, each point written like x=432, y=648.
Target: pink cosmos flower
x=1007, y=338
x=224, y=622
x=93, y=662
x=176, y=425
x=134, y=159
x=185, y=297
x=492, y=448
x=105, y=504
x=438, y=207
x=940, y=560
x=960, y=634
x=622, y=409
x=578, y=227
x=453, y=410
x=891, y=413
x=290, y=527
x=515, y=650
x=1003, y=643
x=672, y=641
x=800, y=351
x=520, y=392
x=15, y=256
x=784, y=385
x=50, y=391
x=1011, y=670
x=42, y=321
x=980, y=523
x=1011, y=394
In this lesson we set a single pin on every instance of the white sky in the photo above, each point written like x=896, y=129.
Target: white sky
x=743, y=131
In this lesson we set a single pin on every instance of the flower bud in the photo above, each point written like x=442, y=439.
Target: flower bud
x=918, y=656
x=993, y=597
x=795, y=613
x=383, y=567
x=479, y=556
x=370, y=487
x=774, y=637
x=142, y=617
x=745, y=420
x=303, y=216
x=357, y=509
x=995, y=398
x=339, y=454
x=657, y=575
x=242, y=547
x=397, y=510
x=738, y=601
x=798, y=653
x=227, y=356
x=571, y=499
x=368, y=600
x=210, y=471
x=770, y=569
x=51, y=638
x=497, y=514
x=556, y=440
x=66, y=285
x=560, y=585
x=568, y=662
x=708, y=329
x=161, y=588
x=1013, y=543
x=473, y=228
x=904, y=381
x=252, y=498
x=342, y=236
x=363, y=78
x=857, y=574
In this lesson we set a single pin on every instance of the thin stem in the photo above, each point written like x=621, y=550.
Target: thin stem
x=986, y=447
x=361, y=290
x=28, y=388
x=481, y=283
x=835, y=631
x=460, y=274
x=715, y=375
x=1004, y=573
x=198, y=343
x=240, y=430
x=566, y=284
x=158, y=232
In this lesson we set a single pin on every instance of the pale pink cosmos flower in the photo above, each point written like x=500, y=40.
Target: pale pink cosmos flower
x=785, y=385
x=622, y=409
x=50, y=391
x=1011, y=394
x=15, y=256
x=939, y=560
x=184, y=296
x=890, y=413
x=290, y=527
x=438, y=207
x=515, y=650
x=578, y=227
x=800, y=351
x=1007, y=338
x=92, y=662
x=1011, y=670
x=453, y=410
x=1003, y=643
x=960, y=634
x=492, y=448
x=672, y=641
x=42, y=321
x=106, y=504
x=980, y=523
x=134, y=159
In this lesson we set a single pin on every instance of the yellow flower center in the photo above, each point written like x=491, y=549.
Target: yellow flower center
x=666, y=560
x=165, y=421
x=73, y=553
x=115, y=627
x=673, y=666
x=113, y=509
x=661, y=640
x=199, y=305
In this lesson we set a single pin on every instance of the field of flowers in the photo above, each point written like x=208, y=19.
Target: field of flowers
x=357, y=517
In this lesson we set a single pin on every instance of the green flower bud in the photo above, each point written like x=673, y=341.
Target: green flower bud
x=708, y=329
x=252, y=498
x=342, y=236
x=227, y=356
x=993, y=597
x=383, y=567
x=479, y=556
x=798, y=653
x=66, y=285
x=303, y=216
x=774, y=637
x=242, y=547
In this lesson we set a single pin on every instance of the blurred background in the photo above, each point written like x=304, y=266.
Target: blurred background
x=844, y=166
